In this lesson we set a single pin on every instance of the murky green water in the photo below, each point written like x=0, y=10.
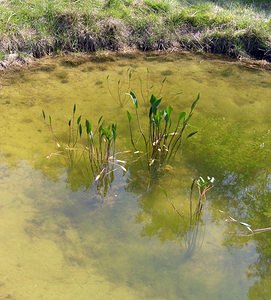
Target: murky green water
x=60, y=239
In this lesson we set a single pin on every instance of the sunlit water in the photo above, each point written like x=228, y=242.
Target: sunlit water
x=61, y=239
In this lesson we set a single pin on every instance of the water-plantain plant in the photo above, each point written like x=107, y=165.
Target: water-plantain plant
x=163, y=137
x=96, y=146
x=202, y=186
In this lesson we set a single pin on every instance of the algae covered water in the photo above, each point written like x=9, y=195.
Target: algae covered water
x=63, y=239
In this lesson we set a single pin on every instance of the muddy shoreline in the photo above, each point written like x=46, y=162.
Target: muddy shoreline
x=15, y=62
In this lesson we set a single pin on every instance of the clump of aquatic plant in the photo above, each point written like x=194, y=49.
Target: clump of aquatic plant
x=96, y=146
x=195, y=211
x=100, y=148
x=203, y=186
x=68, y=144
x=191, y=218
x=164, y=137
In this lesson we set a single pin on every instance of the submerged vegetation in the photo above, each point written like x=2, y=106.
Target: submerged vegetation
x=37, y=28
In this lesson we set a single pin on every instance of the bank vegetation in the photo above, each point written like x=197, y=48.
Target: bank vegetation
x=35, y=28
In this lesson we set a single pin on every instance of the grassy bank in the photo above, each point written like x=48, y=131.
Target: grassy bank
x=40, y=27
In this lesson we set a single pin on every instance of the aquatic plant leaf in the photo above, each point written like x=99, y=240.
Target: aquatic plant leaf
x=169, y=110
x=80, y=129
x=114, y=131
x=159, y=117
x=152, y=99
x=154, y=105
x=158, y=102
x=79, y=120
x=211, y=179
x=43, y=114
x=74, y=108
x=129, y=116
x=245, y=224
x=88, y=127
x=201, y=181
x=194, y=103
x=181, y=116
x=191, y=134
x=134, y=99
x=99, y=121
x=155, y=101
x=167, y=113
x=97, y=177
x=50, y=120
x=69, y=123
x=123, y=169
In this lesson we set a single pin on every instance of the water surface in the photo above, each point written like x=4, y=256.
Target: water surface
x=61, y=239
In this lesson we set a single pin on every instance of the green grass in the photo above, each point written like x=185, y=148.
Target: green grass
x=40, y=27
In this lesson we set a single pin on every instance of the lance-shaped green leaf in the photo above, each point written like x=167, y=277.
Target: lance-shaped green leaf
x=191, y=134
x=129, y=116
x=154, y=105
x=181, y=116
x=88, y=127
x=201, y=182
x=69, y=123
x=43, y=114
x=99, y=121
x=80, y=129
x=78, y=120
x=194, y=103
x=114, y=131
x=134, y=99
x=74, y=108
x=158, y=118
x=167, y=113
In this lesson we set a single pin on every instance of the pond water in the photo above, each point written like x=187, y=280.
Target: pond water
x=61, y=238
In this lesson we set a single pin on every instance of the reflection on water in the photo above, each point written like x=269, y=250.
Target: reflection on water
x=63, y=240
